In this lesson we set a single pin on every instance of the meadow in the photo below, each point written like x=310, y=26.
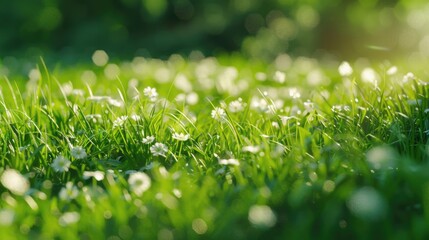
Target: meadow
x=214, y=148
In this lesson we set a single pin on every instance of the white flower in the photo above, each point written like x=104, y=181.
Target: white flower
x=68, y=192
x=251, y=149
x=136, y=117
x=180, y=136
x=259, y=104
x=69, y=218
x=409, y=76
x=369, y=75
x=61, y=164
x=367, y=204
x=115, y=103
x=381, y=157
x=339, y=108
x=260, y=76
x=148, y=139
x=279, y=77
x=139, y=182
x=120, y=121
x=236, y=106
x=345, y=69
x=392, y=70
x=78, y=152
x=262, y=216
x=15, y=182
x=309, y=106
x=150, y=93
x=219, y=114
x=231, y=161
x=275, y=125
x=97, y=175
x=94, y=118
x=159, y=149
x=294, y=93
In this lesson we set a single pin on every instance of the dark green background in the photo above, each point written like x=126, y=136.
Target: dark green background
x=158, y=28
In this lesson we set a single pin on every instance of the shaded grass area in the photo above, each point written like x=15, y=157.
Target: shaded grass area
x=280, y=151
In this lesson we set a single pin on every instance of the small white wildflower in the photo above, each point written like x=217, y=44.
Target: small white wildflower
x=115, y=103
x=148, y=139
x=279, y=77
x=262, y=216
x=100, y=58
x=260, y=76
x=15, y=182
x=369, y=75
x=408, y=77
x=151, y=93
x=392, y=70
x=61, y=164
x=177, y=193
x=236, y=106
x=97, y=175
x=68, y=192
x=251, y=149
x=78, y=92
x=135, y=117
x=285, y=119
x=259, y=104
x=219, y=114
x=69, y=218
x=67, y=88
x=180, y=136
x=94, y=118
x=340, y=108
x=275, y=125
x=345, y=69
x=192, y=98
x=294, y=93
x=231, y=161
x=78, y=152
x=381, y=157
x=120, y=121
x=309, y=106
x=159, y=149
x=366, y=203
x=139, y=182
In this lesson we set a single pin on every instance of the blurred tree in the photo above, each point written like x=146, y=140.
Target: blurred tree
x=161, y=27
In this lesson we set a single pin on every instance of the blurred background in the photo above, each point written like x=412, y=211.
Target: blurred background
x=69, y=31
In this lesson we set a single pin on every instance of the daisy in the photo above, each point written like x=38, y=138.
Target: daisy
x=181, y=136
x=61, y=164
x=345, y=69
x=78, y=152
x=219, y=114
x=279, y=77
x=236, y=106
x=68, y=192
x=148, y=139
x=159, y=149
x=230, y=161
x=151, y=93
x=120, y=121
x=97, y=175
x=139, y=182
x=15, y=182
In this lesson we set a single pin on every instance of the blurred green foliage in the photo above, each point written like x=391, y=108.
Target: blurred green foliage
x=260, y=29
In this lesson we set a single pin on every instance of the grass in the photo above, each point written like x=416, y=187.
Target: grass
x=305, y=155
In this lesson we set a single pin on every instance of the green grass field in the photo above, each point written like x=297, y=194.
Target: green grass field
x=215, y=149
